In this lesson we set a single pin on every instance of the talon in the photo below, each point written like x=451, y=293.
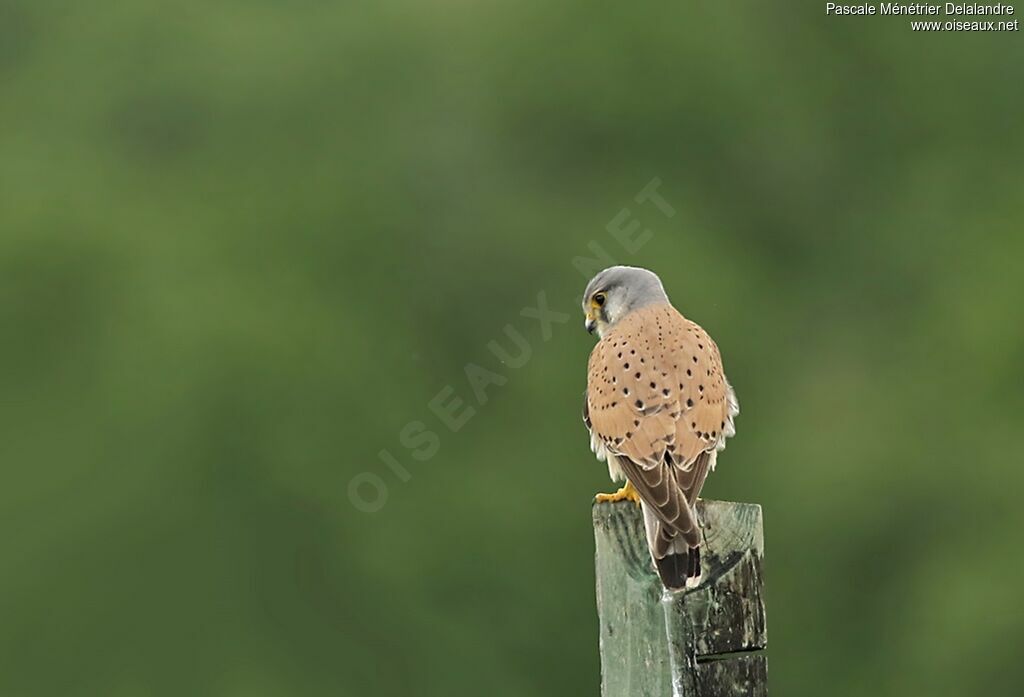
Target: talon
x=626, y=493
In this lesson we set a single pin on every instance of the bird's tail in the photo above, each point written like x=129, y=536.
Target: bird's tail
x=674, y=559
x=680, y=570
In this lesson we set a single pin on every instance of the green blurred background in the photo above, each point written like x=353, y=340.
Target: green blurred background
x=243, y=244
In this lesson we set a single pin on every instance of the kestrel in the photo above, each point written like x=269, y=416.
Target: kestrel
x=658, y=407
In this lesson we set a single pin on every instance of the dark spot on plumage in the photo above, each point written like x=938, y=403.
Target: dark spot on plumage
x=689, y=402
x=665, y=392
x=639, y=404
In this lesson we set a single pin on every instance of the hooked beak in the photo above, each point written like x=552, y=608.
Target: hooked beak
x=590, y=323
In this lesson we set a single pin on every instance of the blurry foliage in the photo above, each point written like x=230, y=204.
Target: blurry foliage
x=243, y=244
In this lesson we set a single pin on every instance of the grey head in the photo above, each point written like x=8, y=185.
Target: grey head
x=615, y=292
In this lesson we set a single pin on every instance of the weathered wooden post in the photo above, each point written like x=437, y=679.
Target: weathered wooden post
x=704, y=642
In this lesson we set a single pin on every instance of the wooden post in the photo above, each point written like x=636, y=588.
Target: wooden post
x=704, y=642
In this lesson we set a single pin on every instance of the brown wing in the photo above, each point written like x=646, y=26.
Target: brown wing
x=657, y=399
x=659, y=489
x=691, y=480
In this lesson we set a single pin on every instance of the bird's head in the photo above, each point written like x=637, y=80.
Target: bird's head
x=615, y=292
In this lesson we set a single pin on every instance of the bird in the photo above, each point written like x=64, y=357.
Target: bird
x=659, y=410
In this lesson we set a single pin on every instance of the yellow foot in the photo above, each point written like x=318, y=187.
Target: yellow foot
x=625, y=493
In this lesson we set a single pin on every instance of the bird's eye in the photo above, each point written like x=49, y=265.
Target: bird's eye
x=599, y=299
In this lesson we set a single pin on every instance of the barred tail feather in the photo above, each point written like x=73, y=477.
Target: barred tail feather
x=674, y=570
x=677, y=563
